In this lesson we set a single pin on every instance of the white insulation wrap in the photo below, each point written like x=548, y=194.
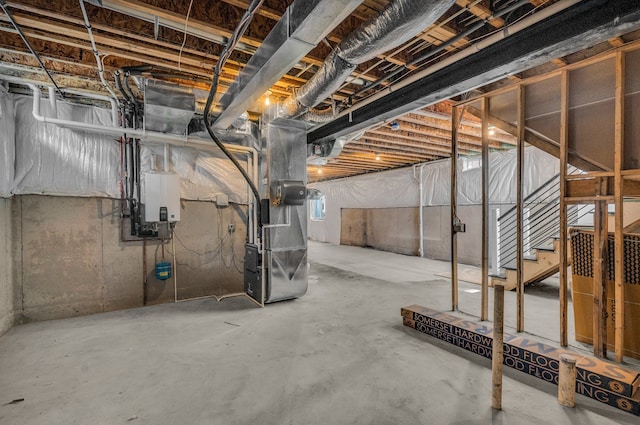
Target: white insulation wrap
x=7, y=144
x=202, y=174
x=39, y=158
x=397, y=23
x=51, y=160
x=400, y=188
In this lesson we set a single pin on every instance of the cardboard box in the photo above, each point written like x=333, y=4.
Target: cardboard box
x=603, y=381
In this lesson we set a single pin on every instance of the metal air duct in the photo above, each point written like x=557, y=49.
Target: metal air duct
x=397, y=23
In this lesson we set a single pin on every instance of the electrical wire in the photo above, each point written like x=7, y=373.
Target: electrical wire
x=26, y=41
x=87, y=25
x=184, y=39
x=240, y=29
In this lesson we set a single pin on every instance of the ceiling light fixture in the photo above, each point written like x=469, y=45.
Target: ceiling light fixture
x=377, y=157
x=319, y=170
x=492, y=130
x=267, y=100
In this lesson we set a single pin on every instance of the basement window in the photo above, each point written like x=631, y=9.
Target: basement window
x=318, y=208
x=471, y=163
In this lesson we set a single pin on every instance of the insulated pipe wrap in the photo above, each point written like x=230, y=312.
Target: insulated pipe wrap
x=333, y=72
x=400, y=21
x=396, y=24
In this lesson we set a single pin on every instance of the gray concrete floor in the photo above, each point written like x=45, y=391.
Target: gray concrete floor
x=338, y=355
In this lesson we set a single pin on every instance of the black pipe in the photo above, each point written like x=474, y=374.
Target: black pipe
x=137, y=110
x=137, y=171
x=244, y=22
x=118, y=82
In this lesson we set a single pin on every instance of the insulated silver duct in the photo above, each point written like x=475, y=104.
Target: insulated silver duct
x=397, y=23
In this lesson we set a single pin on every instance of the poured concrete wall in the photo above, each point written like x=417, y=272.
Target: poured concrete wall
x=7, y=299
x=386, y=229
x=74, y=263
x=397, y=230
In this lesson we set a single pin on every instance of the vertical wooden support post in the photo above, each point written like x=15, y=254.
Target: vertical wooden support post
x=600, y=236
x=562, y=245
x=498, y=346
x=618, y=318
x=484, y=298
x=520, y=213
x=567, y=375
x=454, y=193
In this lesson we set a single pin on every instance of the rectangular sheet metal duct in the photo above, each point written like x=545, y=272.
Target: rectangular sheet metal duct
x=304, y=24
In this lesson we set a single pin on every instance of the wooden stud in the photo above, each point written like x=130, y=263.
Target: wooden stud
x=484, y=298
x=618, y=318
x=454, y=193
x=600, y=279
x=498, y=346
x=567, y=375
x=564, y=144
x=520, y=213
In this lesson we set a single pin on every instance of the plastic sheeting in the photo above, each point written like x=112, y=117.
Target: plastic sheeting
x=52, y=160
x=400, y=188
x=7, y=144
x=202, y=174
x=397, y=23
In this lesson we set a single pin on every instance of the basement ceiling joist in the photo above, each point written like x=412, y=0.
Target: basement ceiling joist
x=158, y=36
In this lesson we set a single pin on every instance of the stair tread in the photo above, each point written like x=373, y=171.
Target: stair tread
x=498, y=276
x=544, y=247
x=511, y=265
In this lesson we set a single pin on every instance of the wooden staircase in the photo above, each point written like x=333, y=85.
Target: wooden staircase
x=545, y=263
x=546, y=259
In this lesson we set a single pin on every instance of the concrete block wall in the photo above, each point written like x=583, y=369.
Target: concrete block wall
x=70, y=260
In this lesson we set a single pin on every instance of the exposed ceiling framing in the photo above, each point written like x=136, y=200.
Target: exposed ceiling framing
x=157, y=35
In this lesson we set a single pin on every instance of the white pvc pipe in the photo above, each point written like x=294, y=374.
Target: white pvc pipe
x=165, y=162
x=52, y=101
x=87, y=24
x=421, y=206
x=150, y=136
x=114, y=105
x=421, y=214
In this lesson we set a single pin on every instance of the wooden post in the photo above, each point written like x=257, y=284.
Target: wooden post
x=520, y=213
x=564, y=144
x=454, y=192
x=600, y=236
x=484, y=298
x=498, y=346
x=567, y=375
x=618, y=318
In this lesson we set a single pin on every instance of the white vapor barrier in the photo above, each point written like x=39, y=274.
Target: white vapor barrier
x=7, y=144
x=203, y=174
x=52, y=160
x=400, y=188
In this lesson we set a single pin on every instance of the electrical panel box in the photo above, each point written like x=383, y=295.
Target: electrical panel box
x=161, y=197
